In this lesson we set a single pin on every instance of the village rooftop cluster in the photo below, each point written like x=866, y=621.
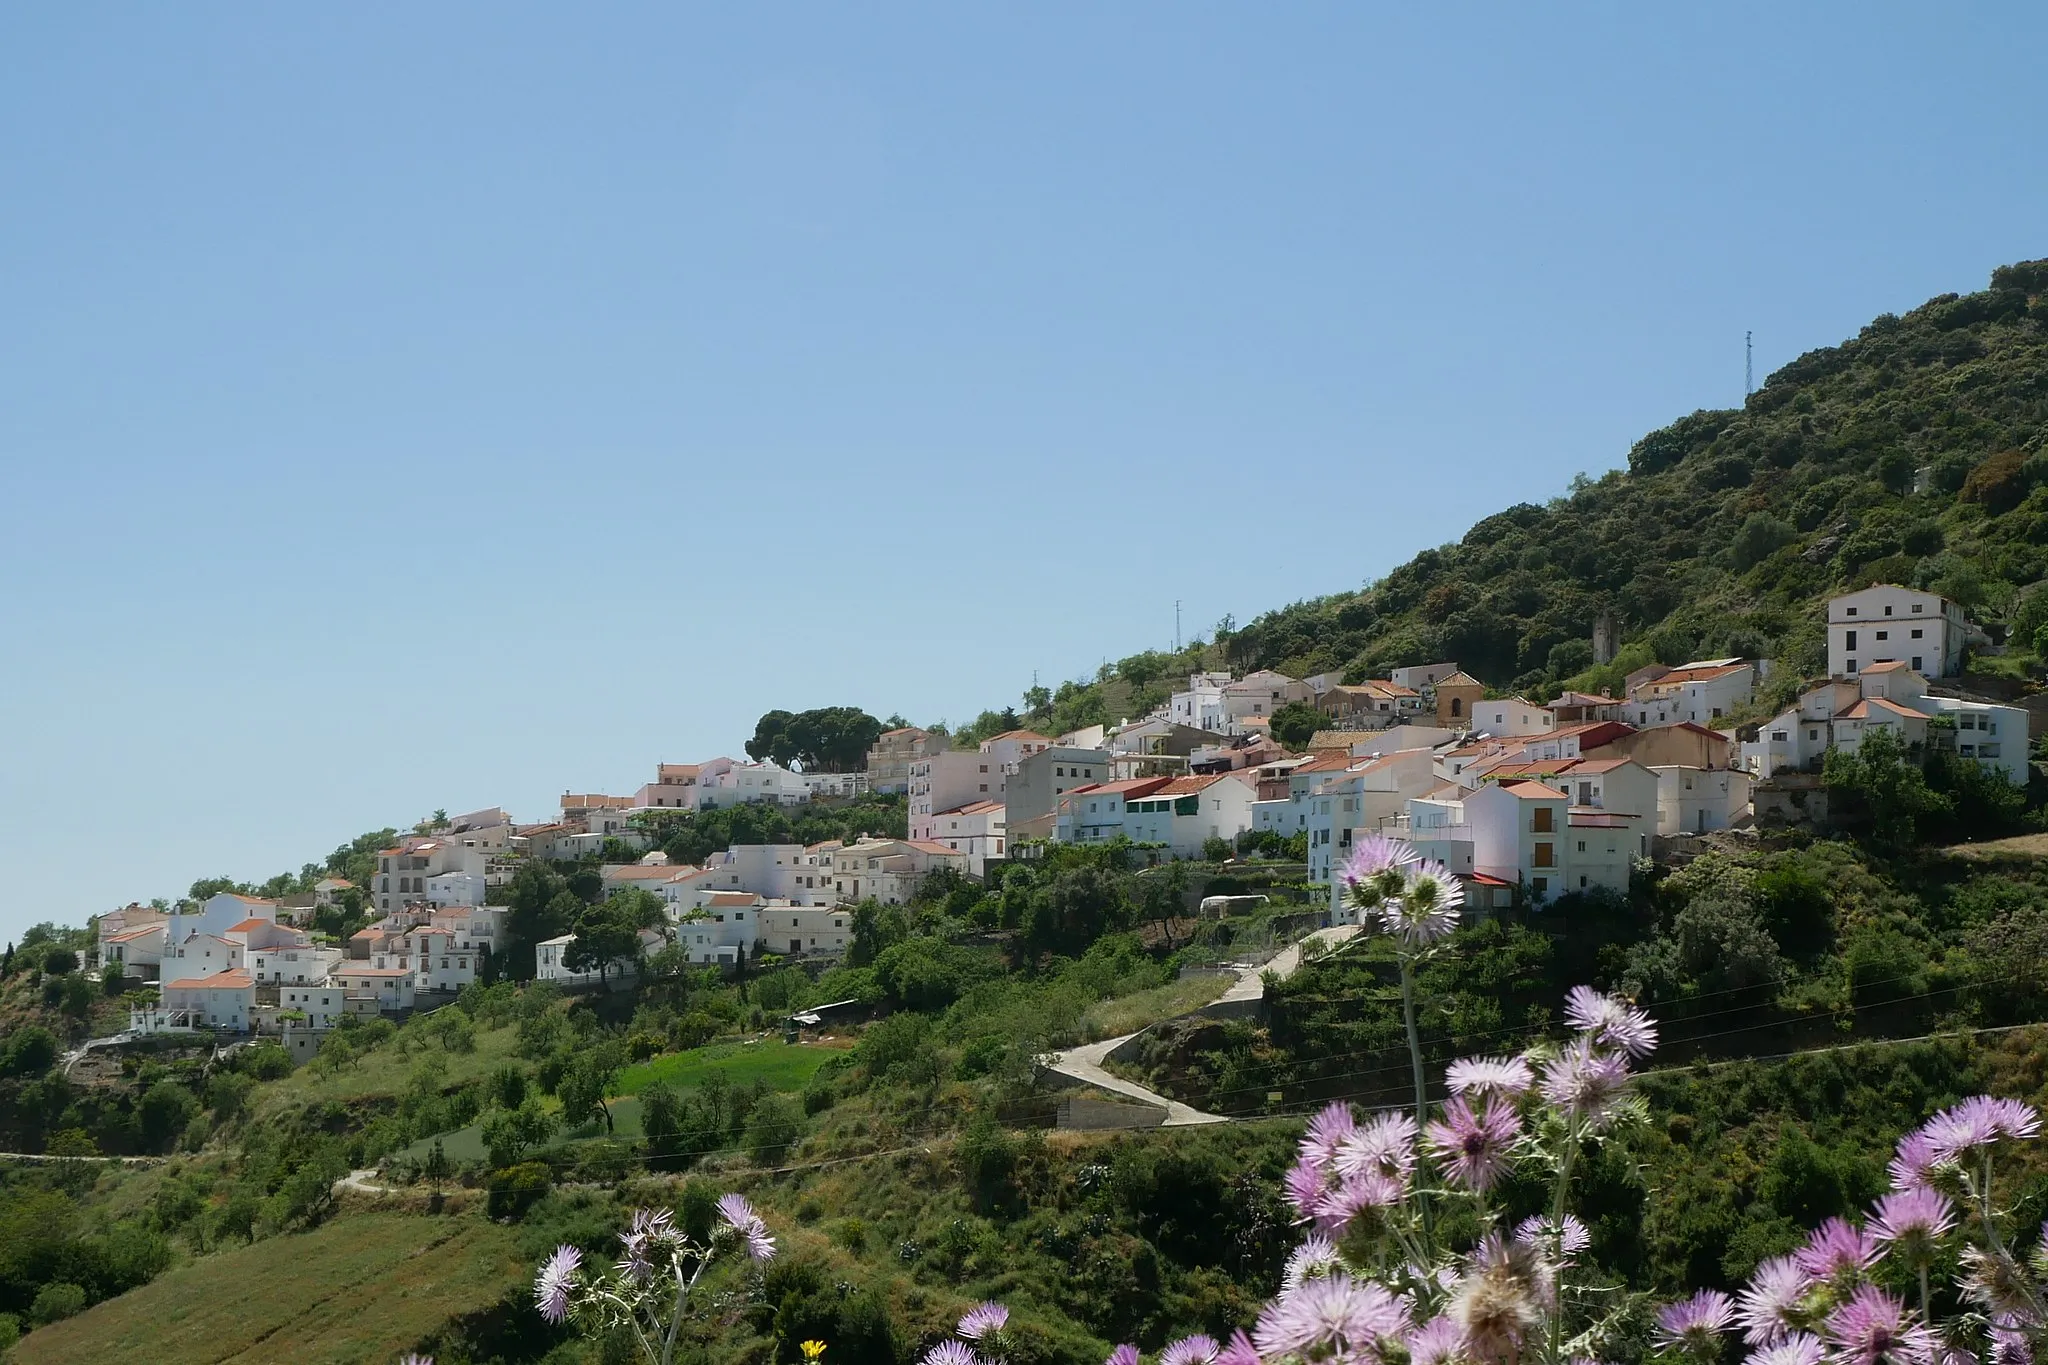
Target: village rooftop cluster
x=1520, y=800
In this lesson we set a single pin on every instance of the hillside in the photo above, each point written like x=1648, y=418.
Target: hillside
x=1912, y=453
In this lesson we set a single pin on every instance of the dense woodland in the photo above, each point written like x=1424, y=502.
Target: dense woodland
x=906, y=1163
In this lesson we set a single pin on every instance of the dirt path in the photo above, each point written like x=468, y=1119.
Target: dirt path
x=1085, y=1063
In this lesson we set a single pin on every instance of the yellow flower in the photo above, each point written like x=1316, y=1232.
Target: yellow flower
x=812, y=1349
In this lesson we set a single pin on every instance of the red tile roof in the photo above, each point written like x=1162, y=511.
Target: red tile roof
x=232, y=979
x=1532, y=791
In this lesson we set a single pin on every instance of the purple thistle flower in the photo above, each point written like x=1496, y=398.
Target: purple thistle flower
x=1585, y=1082
x=557, y=1276
x=1837, y=1247
x=1872, y=1327
x=1374, y=854
x=2009, y=1345
x=1383, y=1145
x=739, y=1216
x=1325, y=1131
x=951, y=1352
x=1769, y=1308
x=1306, y=1189
x=1610, y=1022
x=1796, y=1348
x=1486, y=1077
x=1571, y=1239
x=1125, y=1354
x=1428, y=908
x=1918, y=1216
x=1473, y=1148
x=1194, y=1350
x=1978, y=1122
x=1696, y=1322
x=1915, y=1157
x=1317, y=1255
x=982, y=1320
x=1334, y=1316
x=1240, y=1351
x=1354, y=1198
x=1439, y=1341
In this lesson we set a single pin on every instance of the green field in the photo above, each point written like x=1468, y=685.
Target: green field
x=782, y=1065
x=362, y=1288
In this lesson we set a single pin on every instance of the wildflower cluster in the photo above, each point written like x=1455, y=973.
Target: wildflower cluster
x=647, y=1289
x=978, y=1338
x=1838, y=1299
x=1369, y=1284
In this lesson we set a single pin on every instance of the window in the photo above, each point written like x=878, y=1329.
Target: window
x=1539, y=820
x=1916, y=606
x=1887, y=612
x=1539, y=885
x=1850, y=612
x=1852, y=666
x=1916, y=658
x=1546, y=855
x=1884, y=635
x=1917, y=633
x=1849, y=639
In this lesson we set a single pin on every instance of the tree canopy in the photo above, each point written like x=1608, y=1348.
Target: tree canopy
x=828, y=739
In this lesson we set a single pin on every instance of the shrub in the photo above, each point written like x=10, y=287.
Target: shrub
x=515, y=1189
x=55, y=1302
x=775, y=1125
x=31, y=1052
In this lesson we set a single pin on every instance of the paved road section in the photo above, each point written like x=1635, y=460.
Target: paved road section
x=1085, y=1063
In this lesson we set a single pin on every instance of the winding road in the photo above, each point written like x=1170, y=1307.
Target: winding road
x=1084, y=1063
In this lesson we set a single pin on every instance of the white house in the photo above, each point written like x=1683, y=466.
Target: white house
x=1201, y=704
x=293, y=964
x=947, y=780
x=440, y=965
x=405, y=871
x=323, y=1003
x=1510, y=716
x=1695, y=800
x=1014, y=746
x=1703, y=692
x=549, y=964
x=1527, y=833
x=1035, y=785
x=390, y=988
x=975, y=829
x=1094, y=812
x=1187, y=811
x=1257, y=695
x=200, y=955
x=139, y=952
x=1889, y=695
x=1890, y=624
x=1422, y=677
x=224, y=1000
x=474, y=928
x=892, y=753
x=888, y=870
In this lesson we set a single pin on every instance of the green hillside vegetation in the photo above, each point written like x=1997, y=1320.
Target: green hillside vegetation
x=908, y=1168
x=363, y=1288
x=1911, y=454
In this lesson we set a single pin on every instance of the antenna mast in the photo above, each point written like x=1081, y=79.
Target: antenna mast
x=1176, y=625
x=1748, y=374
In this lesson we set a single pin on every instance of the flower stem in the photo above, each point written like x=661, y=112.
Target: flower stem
x=1421, y=1091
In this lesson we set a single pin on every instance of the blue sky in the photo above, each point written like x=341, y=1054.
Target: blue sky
x=436, y=406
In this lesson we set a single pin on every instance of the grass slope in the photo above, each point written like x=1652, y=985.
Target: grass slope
x=361, y=1288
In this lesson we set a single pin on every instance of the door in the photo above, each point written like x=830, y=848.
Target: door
x=796, y=945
